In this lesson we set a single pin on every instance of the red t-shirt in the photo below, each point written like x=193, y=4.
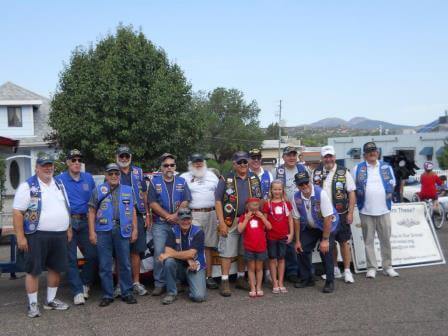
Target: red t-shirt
x=277, y=214
x=428, y=189
x=254, y=235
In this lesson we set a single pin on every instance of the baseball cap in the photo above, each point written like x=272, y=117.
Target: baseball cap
x=44, y=159
x=327, y=150
x=302, y=177
x=290, y=149
x=112, y=166
x=165, y=156
x=369, y=147
x=240, y=156
x=74, y=153
x=123, y=149
x=184, y=213
x=196, y=157
x=428, y=165
x=255, y=152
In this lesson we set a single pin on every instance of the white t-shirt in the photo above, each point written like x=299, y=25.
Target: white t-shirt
x=375, y=198
x=328, y=182
x=202, y=189
x=290, y=184
x=54, y=215
x=326, y=207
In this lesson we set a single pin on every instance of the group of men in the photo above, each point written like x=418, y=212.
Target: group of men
x=190, y=215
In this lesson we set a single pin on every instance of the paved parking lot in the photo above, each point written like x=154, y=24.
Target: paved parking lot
x=414, y=304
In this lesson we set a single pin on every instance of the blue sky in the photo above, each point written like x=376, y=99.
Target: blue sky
x=383, y=60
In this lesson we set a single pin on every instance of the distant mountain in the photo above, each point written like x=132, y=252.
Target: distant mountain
x=355, y=123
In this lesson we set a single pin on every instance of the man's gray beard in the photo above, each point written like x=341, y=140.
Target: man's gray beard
x=123, y=165
x=169, y=174
x=197, y=172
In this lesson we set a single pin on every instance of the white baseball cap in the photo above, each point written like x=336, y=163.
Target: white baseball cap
x=327, y=150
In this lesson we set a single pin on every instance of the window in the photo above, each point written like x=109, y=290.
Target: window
x=14, y=116
x=14, y=174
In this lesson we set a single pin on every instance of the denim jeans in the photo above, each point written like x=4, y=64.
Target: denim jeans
x=159, y=235
x=80, y=239
x=108, y=243
x=176, y=271
x=291, y=261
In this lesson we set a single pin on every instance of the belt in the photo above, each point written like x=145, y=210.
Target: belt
x=203, y=209
x=78, y=216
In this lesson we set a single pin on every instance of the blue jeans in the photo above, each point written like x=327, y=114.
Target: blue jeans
x=291, y=261
x=159, y=235
x=309, y=237
x=176, y=271
x=80, y=239
x=108, y=243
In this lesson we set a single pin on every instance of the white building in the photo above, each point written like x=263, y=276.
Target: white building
x=420, y=147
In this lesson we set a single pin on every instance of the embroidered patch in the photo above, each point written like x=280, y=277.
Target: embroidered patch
x=32, y=227
x=103, y=190
x=228, y=208
x=253, y=224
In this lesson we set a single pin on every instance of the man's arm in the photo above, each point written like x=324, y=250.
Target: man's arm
x=351, y=206
x=17, y=220
x=181, y=255
x=91, y=222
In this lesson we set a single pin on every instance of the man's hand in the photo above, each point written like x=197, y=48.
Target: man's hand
x=163, y=256
x=324, y=246
x=223, y=229
x=172, y=218
x=298, y=246
x=92, y=238
x=22, y=243
x=349, y=218
x=289, y=238
x=192, y=266
x=134, y=236
x=69, y=234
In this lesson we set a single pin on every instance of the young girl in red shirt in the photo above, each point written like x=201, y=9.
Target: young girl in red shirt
x=278, y=211
x=253, y=225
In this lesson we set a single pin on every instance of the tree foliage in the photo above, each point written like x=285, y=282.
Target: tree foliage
x=272, y=131
x=124, y=90
x=443, y=158
x=231, y=123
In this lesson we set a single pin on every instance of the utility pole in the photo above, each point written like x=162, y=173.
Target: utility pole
x=279, y=132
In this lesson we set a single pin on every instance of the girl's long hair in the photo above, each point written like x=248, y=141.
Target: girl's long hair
x=271, y=195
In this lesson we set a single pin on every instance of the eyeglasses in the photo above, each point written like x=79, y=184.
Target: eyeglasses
x=171, y=165
x=242, y=162
x=303, y=184
x=124, y=156
x=114, y=173
x=256, y=158
x=76, y=160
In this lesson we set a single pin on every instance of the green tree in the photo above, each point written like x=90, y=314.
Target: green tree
x=124, y=90
x=272, y=131
x=443, y=158
x=231, y=123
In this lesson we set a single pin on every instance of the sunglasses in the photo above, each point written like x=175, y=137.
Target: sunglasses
x=303, y=184
x=256, y=158
x=124, y=156
x=242, y=162
x=114, y=173
x=171, y=165
x=75, y=160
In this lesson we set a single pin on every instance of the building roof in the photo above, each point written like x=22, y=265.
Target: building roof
x=12, y=94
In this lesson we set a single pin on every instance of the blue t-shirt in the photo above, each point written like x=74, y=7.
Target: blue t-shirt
x=78, y=192
x=152, y=194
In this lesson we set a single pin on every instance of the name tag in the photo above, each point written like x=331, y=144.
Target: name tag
x=253, y=224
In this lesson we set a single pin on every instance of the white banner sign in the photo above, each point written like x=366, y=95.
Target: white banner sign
x=414, y=240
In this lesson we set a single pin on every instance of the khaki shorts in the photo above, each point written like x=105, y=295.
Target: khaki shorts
x=232, y=245
x=208, y=222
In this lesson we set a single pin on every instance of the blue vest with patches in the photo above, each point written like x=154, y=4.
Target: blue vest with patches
x=105, y=211
x=387, y=176
x=194, y=230
x=281, y=174
x=32, y=214
x=136, y=181
x=265, y=182
x=315, y=211
x=163, y=198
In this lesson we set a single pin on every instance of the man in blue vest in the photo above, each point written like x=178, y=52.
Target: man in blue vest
x=286, y=172
x=79, y=187
x=184, y=259
x=167, y=193
x=230, y=199
x=41, y=218
x=318, y=223
x=133, y=176
x=112, y=227
x=375, y=183
x=255, y=167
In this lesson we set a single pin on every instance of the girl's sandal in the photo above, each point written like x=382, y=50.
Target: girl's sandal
x=283, y=290
x=276, y=290
x=260, y=293
x=253, y=294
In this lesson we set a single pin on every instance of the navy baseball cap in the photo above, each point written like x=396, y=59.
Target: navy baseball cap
x=290, y=149
x=369, y=147
x=44, y=159
x=184, y=213
x=196, y=157
x=111, y=167
x=74, y=153
x=302, y=177
x=123, y=149
x=241, y=155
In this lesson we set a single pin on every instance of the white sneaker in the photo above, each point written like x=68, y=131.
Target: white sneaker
x=33, y=310
x=86, y=291
x=117, y=291
x=371, y=273
x=337, y=273
x=324, y=276
x=348, y=277
x=391, y=273
x=79, y=299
